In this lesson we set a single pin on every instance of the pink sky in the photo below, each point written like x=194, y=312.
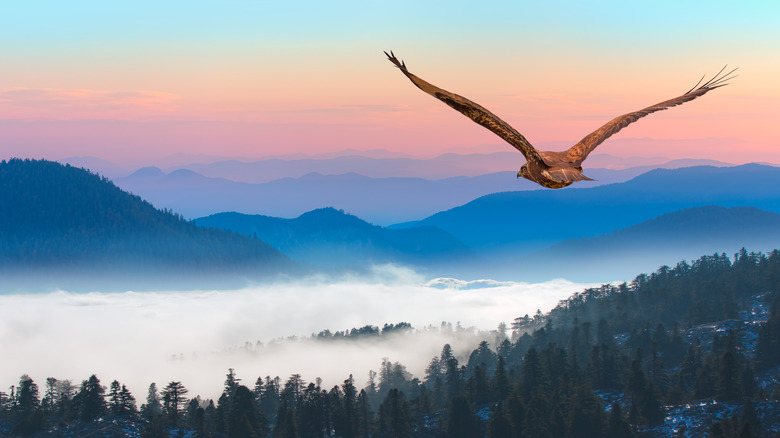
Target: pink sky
x=217, y=83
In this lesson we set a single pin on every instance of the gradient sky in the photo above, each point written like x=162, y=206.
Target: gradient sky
x=136, y=81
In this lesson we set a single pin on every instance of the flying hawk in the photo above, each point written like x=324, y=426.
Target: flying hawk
x=548, y=168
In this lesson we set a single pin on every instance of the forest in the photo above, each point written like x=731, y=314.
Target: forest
x=71, y=225
x=699, y=341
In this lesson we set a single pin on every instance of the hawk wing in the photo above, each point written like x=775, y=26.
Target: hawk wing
x=473, y=111
x=577, y=153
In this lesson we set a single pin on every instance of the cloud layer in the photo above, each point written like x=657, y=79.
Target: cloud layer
x=195, y=336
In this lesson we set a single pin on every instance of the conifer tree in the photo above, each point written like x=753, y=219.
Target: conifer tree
x=531, y=372
x=244, y=420
x=462, y=422
x=515, y=410
x=617, y=427
x=174, y=401
x=499, y=425
x=728, y=385
x=50, y=398
x=394, y=418
x=501, y=384
x=90, y=399
x=27, y=407
x=114, y=404
x=365, y=415
x=153, y=406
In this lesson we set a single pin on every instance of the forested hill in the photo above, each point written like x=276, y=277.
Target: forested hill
x=688, y=351
x=330, y=238
x=68, y=222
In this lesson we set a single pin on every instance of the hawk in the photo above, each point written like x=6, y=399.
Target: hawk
x=552, y=169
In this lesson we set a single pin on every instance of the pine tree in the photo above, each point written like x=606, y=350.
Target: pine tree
x=453, y=379
x=174, y=401
x=478, y=387
x=127, y=401
x=290, y=429
x=617, y=427
x=585, y=415
x=462, y=422
x=90, y=399
x=199, y=424
x=515, y=410
x=365, y=415
x=728, y=386
x=28, y=407
x=231, y=383
x=153, y=406
x=501, y=384
x=499, y=425
x=115, y=403
x=394, y=418
x=50, y=398
x=348, y=410
x=269, y=402
x=244, y=420
x=531, y=372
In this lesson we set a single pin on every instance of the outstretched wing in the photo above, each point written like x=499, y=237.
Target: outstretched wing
x=577, y=153
x=473, y=111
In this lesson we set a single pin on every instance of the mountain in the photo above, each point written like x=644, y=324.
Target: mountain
x=375, y=166
x=66, y=227
x=331, y=238
x=380, y=200
x=683, y=234
x=521, y=222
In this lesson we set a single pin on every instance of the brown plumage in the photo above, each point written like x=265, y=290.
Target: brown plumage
x=548, y=168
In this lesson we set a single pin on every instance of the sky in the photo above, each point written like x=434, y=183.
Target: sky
x=137, y=81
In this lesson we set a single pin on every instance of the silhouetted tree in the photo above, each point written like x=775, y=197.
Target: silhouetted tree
x=394, y=418
x=244, y=419
x=462, y=422
x=90, y=399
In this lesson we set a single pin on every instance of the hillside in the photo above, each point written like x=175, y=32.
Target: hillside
x=74, y=227
x=523, y=222
x=331, y=238
x=683, y=234
x=685, y=351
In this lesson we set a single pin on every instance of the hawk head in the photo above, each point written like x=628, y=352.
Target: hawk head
x=523, y=172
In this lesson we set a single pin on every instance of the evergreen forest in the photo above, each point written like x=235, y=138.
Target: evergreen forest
x=72, y=224
x=689, y=350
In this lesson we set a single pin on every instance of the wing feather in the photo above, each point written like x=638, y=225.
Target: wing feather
x=577, y=153
x=473, y=111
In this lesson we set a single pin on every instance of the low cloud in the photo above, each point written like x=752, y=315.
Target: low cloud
x=195, y=336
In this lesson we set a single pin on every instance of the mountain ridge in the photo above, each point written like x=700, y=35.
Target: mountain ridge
x=332, y=238
x=526, y=221
x=71, y=224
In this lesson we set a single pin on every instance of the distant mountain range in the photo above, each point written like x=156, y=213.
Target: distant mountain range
x=60, y=225
x=65, y=227
x=380, y=200
x=522, y=222
x=331, y=238
x=685, y=234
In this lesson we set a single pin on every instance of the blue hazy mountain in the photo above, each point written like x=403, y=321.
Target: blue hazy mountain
x=60, y=225
x=664, y=240
x=521, y=222
x=378, y=199
x=386, y=166
x=331, y=238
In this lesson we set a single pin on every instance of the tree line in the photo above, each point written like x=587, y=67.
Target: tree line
x=607, y=362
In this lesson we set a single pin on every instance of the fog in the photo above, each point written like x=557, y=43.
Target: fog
x=195, y=336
